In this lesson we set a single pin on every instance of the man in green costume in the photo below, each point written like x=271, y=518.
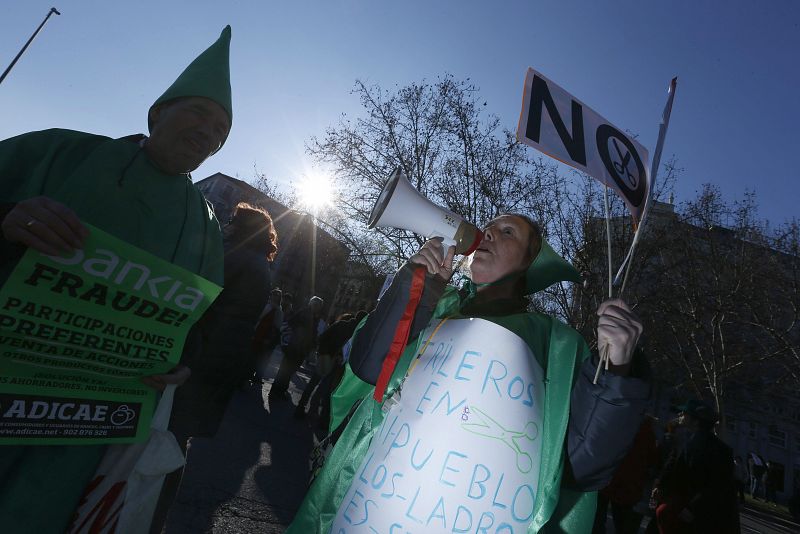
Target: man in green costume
x=138, y=189
x=549, y=426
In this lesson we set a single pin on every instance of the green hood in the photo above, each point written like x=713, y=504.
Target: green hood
x=209, y=76
x=547, y=269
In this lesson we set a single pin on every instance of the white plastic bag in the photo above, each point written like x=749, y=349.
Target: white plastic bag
x=161, y=456
x=123, y=495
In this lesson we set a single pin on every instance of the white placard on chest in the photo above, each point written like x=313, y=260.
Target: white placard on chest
x=461, y=450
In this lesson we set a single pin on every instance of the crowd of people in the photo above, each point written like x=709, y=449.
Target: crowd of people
x=585, y=445
x=687, y=480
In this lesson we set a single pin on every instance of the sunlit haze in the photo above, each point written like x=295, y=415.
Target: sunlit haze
x=314, y=191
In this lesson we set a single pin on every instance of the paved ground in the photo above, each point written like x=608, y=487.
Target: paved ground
x=755, y=521
x=252, y=476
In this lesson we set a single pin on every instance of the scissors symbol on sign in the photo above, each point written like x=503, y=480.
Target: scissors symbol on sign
x=490, y=428
x=622, y=167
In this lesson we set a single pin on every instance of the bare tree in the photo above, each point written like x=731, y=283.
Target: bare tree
x=573, y=218
x=286, y=195
x=716, y=287
x=717, y=290
x=774, y=312
x=450, y=149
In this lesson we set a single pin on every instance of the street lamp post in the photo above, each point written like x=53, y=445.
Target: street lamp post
x=14, y=61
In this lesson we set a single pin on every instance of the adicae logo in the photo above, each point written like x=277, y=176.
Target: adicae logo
x=122, y=415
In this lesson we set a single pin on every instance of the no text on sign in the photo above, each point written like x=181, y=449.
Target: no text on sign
x=591, y=144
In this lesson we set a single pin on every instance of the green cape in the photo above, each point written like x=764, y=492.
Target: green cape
x=110, y=184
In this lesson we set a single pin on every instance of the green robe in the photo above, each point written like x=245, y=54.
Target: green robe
x=110, y=184
x=556, y=510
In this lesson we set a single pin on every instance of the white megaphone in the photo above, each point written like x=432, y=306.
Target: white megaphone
x=401, y=206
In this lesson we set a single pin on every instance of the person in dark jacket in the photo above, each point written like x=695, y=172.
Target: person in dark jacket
x=329, y=362
x=227, y=328
x=229, y=325
x=741, y=477
x=490, y=417
x=756, y=468
x=771, y=482
x=299, y=339
x=696, y=491
x=267, y=334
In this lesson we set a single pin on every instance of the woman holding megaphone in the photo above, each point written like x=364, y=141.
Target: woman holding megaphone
x=484, y=416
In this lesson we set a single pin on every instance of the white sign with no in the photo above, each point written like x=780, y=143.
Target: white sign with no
x=590, y=143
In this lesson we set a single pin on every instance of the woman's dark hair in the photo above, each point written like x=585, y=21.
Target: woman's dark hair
x=252, y=227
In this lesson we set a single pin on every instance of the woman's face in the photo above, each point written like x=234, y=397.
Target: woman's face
x=504, y=250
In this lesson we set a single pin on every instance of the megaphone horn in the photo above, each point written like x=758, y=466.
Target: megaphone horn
x=400, y=205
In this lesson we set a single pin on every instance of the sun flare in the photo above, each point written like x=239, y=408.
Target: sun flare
x=315, y=191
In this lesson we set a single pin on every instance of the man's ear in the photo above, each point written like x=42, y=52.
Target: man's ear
x=153, y=115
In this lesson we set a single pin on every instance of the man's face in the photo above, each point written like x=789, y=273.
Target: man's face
x=504, y=250
x=185, y=132
x=275, y=299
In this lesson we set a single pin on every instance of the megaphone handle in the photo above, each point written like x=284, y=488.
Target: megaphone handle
x=446, y=243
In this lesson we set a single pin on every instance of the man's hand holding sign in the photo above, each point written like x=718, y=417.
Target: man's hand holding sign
x=44, y=224
x=51, y=228
x=80, y=333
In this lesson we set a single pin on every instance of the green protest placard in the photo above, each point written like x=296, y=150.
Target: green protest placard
x=78, y=332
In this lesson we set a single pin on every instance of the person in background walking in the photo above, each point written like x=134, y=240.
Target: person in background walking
x=329, y=345
x=287, y=305
x=227, y=330
x=695, y=491
x=756, y=465
x=742, y=477
x=770, y=482
x=299, y=338
x=329, y=364
x=267, y=335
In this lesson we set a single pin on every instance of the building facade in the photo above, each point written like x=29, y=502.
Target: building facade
x=358, y=290
x=760, y=405
x=309, y=260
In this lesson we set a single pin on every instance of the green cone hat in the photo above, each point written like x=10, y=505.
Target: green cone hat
x=547, y=269
x=209, y=76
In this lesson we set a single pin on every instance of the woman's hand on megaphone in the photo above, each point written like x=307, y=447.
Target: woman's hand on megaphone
x=431, y=257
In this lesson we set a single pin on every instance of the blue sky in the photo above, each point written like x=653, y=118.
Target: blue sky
x=100, y=65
